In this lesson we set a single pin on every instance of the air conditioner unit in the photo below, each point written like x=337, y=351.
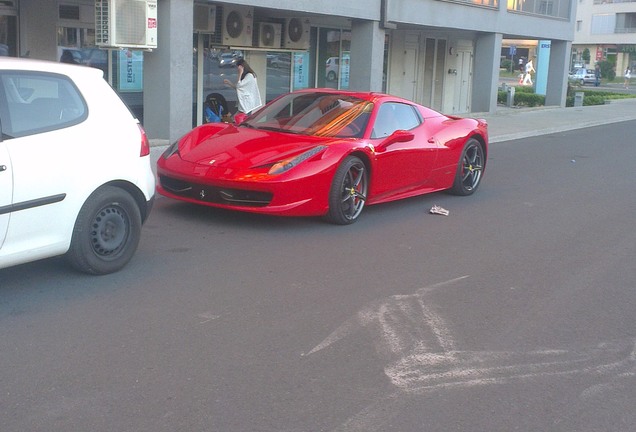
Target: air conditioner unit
x=204, y=19
x=297, y=33
x=269, y=35
x=237, y=25
x=126, y=24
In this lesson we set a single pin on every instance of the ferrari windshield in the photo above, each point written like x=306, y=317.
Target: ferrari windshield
x=318, y=114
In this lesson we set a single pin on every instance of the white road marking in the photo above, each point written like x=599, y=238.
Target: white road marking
x=421, y=355
x=387, y=314
x=207, y=317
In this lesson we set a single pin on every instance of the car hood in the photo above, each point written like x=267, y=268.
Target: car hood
x=228, y=146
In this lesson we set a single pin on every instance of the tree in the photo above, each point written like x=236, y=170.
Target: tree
x=586, y=56
x=607, y=70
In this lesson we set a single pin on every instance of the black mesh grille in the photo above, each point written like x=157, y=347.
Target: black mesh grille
x=212, y=194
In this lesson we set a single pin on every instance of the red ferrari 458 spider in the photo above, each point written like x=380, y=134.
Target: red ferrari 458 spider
x=325, y=152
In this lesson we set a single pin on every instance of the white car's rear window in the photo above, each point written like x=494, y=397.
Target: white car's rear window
x=35, y=102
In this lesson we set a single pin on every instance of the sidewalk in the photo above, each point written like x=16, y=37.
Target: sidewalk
x=514, y=123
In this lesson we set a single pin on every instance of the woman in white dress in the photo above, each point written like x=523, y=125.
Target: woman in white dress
x=246, y=87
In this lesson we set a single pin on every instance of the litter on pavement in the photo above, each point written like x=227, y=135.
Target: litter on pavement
x=439, y=210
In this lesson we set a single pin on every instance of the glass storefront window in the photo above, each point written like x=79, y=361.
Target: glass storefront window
x=279, y=68
x=8, y=35
x=77, y=45
x=212, y=65
x=326, y=64
x=334, y=47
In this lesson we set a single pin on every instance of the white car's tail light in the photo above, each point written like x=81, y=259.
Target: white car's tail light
x=145, y=144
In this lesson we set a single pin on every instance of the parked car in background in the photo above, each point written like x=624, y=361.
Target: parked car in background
x=227, y=59
x=325, y=153
x=582, y=76
x=281, y=61
x=75, y=174
x=331, y=68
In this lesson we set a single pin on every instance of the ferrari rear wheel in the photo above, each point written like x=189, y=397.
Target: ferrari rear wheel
x=348, y=192
x=469, y=169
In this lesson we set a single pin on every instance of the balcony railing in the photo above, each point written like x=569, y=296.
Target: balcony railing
x=485, y=3
x=551, y=8
x=597, y=2
x=625, y=30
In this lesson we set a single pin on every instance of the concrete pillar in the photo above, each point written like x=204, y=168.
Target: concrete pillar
x=556, y=90
x=168, y=73
x=486, y=72
x=37, y=21
x=367, y=56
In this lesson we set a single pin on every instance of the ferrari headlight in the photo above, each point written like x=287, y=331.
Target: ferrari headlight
x=287, y=164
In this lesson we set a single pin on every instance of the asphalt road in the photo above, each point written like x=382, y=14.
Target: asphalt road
x=515, y=312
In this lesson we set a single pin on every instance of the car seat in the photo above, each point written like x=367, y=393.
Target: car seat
x=214, y=107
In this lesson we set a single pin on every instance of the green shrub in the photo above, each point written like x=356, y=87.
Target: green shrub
x=529, y=99
x=593, y=100
x=524, y=89
x=505, y=64
x=502, y=97
x=607, y=70
x=524, y=96
x=595, y=97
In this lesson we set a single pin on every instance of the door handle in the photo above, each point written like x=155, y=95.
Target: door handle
x=3, y=168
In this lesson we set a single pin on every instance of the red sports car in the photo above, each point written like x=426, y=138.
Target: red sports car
x=323, y=152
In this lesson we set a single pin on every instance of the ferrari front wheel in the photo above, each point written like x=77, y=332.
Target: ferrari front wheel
x=348, y=192
x=469, y=169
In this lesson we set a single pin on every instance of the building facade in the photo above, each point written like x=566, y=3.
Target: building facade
x=442, y=53
x=607, y=30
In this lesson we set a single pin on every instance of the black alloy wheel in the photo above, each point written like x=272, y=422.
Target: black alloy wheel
x=470, y=168
x=348, y=192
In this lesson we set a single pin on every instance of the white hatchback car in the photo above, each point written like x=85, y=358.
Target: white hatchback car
x=75, y=171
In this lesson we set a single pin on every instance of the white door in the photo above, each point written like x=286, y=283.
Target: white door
x=410, y=74
x=464, y=78
x=6, y=190
x=432, y=73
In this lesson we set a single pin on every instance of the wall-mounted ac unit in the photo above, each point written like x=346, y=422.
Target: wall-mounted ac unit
x=126, y=24
x=269, y=35
x=297, y=33
x=237, y=25
x=204, y=19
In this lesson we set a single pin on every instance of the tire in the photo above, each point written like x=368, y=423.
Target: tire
x=469, y=169
x=106, y=232
x=331, y=76
x=348, y=192
x=582, y=82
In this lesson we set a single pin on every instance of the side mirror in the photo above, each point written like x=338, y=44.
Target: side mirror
x=239, y=118
x=401, y=136
x=397, y=136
